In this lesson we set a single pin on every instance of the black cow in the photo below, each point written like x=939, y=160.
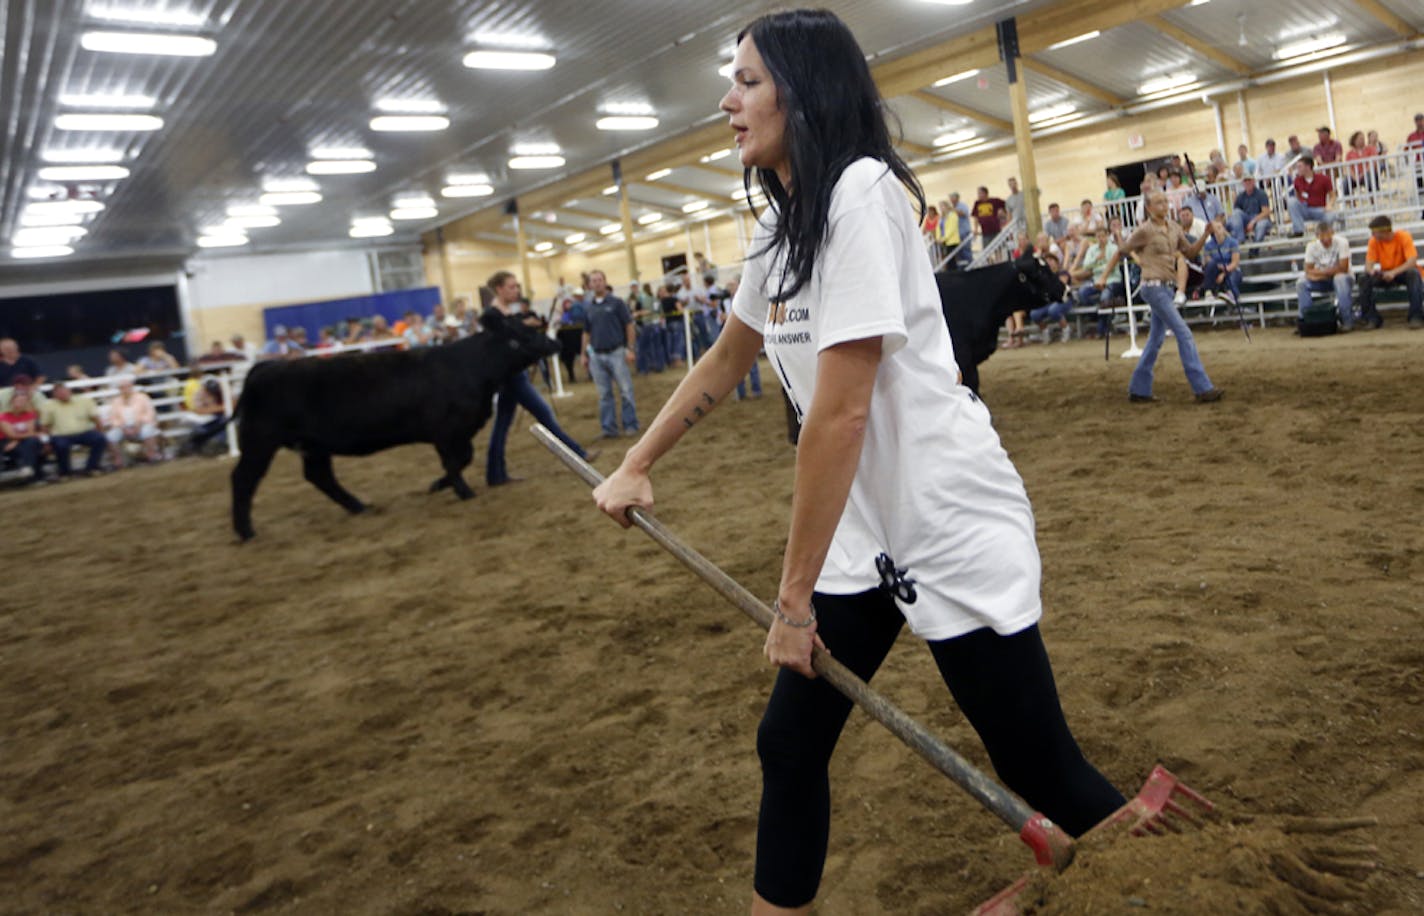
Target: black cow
x=356, y=405
x=977, y=302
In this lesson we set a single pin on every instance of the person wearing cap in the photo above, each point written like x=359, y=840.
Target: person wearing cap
x=1270, y=163
x=22, y=384
x=281, y=346
x=1328, y=150
x=72, y=420
x=131, y=417
x=1327, y=268
x=1293, y=148
x=242, y=348
x=1251, y=213
x=14, y=363
x=1391, y=260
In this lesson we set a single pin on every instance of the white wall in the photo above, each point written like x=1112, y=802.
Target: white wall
x=277, y=279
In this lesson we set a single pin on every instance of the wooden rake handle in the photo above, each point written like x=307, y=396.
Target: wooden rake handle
x=1050, y=845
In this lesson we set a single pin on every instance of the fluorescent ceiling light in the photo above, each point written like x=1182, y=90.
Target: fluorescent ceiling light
x=626, y=122
x=951, y=2
x=414, y=213
x=660, y=173
x=411, y=201
x=340, y=167
x=1166, y=83
x=252, y=222
x=371, y=230
x=1199, y=3
x=408, y=123
x=536, y=149
x=957, y=136
x=713, y=157
x=114, y=102
x=609, y=229
x=410, y=106
x=221, y=241
x=1086, y=36
x=610, y=190
x=574, y=238
x=966, y=145
x=47, y=251
x=148, y=43
x=289, y=184
x=83, y=156
x=1060, y=110
x=544, y=246
x=1310, y=46
x=725, y=70
x=134, y=122
x=647, y=219
x=48, y=207
x=536, y=162
x=524, y=41
x=251, y=210
x=962, y=75
x=467, y=178
x=467, y=190
x=48, y=235
x=695, y=206
x=30, y=218
x=509, y=60
x=290, y=198
x=179, y=18
x=83, y=173
x=341, y=152
x=362, y=220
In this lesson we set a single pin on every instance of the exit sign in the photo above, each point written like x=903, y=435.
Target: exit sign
x=1135, y=141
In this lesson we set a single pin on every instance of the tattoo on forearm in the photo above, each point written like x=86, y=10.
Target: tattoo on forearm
x=697, y=411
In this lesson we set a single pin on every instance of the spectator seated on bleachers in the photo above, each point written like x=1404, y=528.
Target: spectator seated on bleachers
x=1327, y=268
x=1270, y=163
x=131, y=417
x=204, y=415
x=1221, y=266
x=22, y=384
x=14, y=364
x=72, y=420
x=1189, y=269
x=158, y=359
x=1391, y=260
x=1057, y=224
x=1204, y=205
x=218, y=354
x=281, y=346
x=1055, y=311
x=1089, y=270
x=1314, y=196
x=20, y=440
x=119, y=365
x=1252, y=213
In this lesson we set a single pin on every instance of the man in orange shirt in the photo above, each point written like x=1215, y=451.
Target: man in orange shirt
x=1391, y=260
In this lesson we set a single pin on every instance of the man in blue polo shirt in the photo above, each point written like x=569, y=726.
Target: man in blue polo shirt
x=1252, y=213
x=608, y=352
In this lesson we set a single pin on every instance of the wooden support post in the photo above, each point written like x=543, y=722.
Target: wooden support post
x=1023, y=140
x=626, y=212
x=447, y=277
x=523, y=244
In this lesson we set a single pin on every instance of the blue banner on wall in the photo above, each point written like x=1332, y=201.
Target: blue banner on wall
x=313, y=316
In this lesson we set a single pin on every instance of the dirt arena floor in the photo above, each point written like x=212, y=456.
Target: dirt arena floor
x=512, y=706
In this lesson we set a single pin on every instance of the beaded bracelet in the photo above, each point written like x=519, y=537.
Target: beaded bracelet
x=776, y=609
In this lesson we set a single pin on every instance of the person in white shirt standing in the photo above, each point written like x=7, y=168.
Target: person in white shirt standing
x=905, y=505
x=1327, y=267
x=1270, y=163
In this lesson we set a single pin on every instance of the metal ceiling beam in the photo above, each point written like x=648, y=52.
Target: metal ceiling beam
x=1210, y=52
x=917, y=149
x=964, y=111
x=1075, y=83
x=684, y=189
x=1384, y=14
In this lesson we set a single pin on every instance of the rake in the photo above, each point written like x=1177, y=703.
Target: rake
x=1164, y=804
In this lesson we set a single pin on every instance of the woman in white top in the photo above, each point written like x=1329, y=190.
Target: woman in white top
x=905, y=505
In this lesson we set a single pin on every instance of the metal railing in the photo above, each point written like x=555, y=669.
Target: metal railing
x=1003, y=243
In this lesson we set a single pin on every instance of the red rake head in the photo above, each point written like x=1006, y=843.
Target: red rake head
x=1163, y=806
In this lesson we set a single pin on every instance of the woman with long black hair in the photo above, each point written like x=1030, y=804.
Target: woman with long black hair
x=905, y=506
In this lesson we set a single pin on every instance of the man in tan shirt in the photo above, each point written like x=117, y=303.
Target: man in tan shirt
x=1156, y=244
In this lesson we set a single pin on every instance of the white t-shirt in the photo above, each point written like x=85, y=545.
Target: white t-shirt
x=1323, y=258
x=934, y=488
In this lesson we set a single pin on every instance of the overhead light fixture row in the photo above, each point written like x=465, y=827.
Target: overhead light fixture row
x=107, y=122
x=660, y=173
x=1076, y=39
x=1310, y=46
x=409, y=123
x=509, y=60
x=47, y=251
x=48, y=235
x=83, y=156
x=290, y=198
x=467, y=190
x=536, y=162
x=626, y=122
x=410, y=213
x=340, y=167
x=371, y=230
x=116, y=102
x=954, y=78
x=148, y=43
x=83, y=173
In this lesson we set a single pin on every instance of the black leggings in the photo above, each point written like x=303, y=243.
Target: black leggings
x=1003, y=685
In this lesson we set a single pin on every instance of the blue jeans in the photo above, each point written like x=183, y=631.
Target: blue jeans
x=652, y=348
x=676, y=340
x=92, y=438
x=608, y=368
x=519, y=392
x=1164, y=316
x=1213, y=281
x=701, y=335
x=1299, y=213
x=27, y=453
x=1051, y=311
x=1342, y=284
x=1236, y=225
x=755, y=376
